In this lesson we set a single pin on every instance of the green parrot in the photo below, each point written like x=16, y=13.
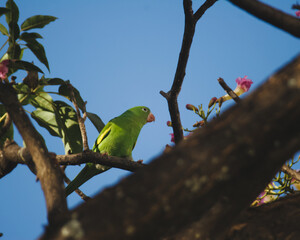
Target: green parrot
x=117, y=138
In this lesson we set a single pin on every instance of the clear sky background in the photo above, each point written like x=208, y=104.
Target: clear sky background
x=120, y=54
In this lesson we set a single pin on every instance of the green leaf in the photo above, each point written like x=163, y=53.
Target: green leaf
x=43, y=100
x=13, y=14
x=37, y=21
x=14, y=32
x=61, y=122
x=10, y=132
x=14, y=51
x=96, y=120
x=19, y=64
x=71, y=133
x=47, y=119
x=29, y=36
x=66, y=90
x=39, y=51
x=54, y=81
x=3, y=11
x=3, y=30
x=4, y=57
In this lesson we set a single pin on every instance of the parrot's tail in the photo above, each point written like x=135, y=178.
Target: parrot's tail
x=84, y=175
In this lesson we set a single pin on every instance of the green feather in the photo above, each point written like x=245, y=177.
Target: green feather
x=117, y=138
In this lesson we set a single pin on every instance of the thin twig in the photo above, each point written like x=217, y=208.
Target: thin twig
x=271, y=15
x=189, y=31
x=94, y=157
x=81, y=120
x=229, y=91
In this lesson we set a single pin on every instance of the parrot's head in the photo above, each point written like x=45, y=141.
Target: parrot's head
x=142, y=113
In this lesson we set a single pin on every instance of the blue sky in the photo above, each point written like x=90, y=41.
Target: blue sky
x=120, y=54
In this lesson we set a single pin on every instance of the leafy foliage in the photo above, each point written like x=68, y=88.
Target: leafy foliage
x=56, y=116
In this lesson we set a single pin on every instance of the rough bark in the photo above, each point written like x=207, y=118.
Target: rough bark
x=206, y=181
x=271, y=15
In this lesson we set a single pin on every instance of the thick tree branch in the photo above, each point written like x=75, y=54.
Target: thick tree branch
x=47, y=172
x=271, y=15
x=172, y=95
x=206, y=180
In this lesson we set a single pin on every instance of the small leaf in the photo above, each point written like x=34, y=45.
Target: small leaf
x=37, y=21
x=3, y=30
x=39, y=51
x=29, y=36
x=54, y=81
x=96, y=120
x=19, y=64
x=3, y=11
x=13, y=14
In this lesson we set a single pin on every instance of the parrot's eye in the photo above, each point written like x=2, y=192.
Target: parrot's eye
x=145, y=109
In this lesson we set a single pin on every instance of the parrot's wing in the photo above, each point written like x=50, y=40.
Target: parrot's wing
x=103, y=134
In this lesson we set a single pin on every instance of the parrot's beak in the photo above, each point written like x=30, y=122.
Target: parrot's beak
x=150, y=118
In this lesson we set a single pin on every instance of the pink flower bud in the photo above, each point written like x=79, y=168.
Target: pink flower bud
x=191, y=107
x=297, y=13
x=172, y=137
x=212, y=101
x=169, y=123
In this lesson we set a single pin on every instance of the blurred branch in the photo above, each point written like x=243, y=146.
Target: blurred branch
x=201, y=184
x=293, y=173
x=229, y=91
x=189, y=31
x=47, y=172
x=271, y=15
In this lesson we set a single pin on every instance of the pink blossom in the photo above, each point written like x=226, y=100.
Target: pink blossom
x=4, y=68
x=297, y=13
x=243, y=85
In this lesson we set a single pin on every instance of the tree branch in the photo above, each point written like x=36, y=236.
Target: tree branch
x=270, y=15
x=206, y=180
x=14, y=154
x=81, y=120
x=172, y=95
x=48, y=174
x=293, y=173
